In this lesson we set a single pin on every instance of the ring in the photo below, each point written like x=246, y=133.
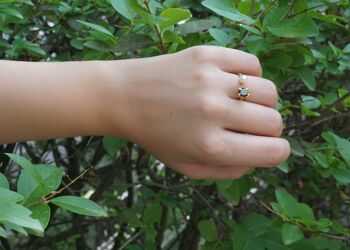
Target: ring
x=243, y=92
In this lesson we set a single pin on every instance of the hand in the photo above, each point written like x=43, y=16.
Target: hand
x=183, y=109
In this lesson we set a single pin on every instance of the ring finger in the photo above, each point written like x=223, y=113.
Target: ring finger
x=261, y=91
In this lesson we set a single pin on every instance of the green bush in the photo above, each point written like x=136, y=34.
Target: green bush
x=303, y=204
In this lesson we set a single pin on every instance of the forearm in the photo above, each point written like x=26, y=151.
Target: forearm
x=53, y=99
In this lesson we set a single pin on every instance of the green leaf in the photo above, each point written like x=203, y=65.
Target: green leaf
x=133, y=42
x=37, y=181
x=97, y=28
x=219, y=35
x=342, y=175
x=305, y=212
x=279, y=60
x=296, y=148
x=288, y=203
x=208, y=230
x=4, y=182
x=113, y=144
x=9, y=196
x=42, y=213
x=307, y=76
x=19, y=215
x=230, y=190
x=123, y=8
x=226, y=9
x=347, y=48
x=3, y=233
x=20, y=160
x=29, y=2
x=172, y=16
x=296, y=27
x=11, y=12
x=195, y=26
x=310, y=102
x=171, y=36
x=152, y=214
x=343, y=146
x=97, y=45
x=275, y=16
x=79, y=205
x=291, y=233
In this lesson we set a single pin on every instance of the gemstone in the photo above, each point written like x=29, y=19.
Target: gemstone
x=243, y=78
x=243, y=92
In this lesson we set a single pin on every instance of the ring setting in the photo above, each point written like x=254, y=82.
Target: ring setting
x=243, y=92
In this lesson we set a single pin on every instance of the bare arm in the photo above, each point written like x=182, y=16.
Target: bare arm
x=183, y=108
x=52, y=99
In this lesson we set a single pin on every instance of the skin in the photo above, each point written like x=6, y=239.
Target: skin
x=182, y=108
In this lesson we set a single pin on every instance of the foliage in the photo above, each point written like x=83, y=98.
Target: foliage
x=303, y=204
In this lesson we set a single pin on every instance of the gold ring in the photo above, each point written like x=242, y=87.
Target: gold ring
x=243, y=92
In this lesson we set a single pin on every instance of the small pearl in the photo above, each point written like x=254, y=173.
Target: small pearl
x=243, y=78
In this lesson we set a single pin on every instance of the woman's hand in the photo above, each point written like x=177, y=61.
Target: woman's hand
x=183, y=109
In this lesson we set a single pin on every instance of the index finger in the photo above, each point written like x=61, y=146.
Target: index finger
x=229, y=60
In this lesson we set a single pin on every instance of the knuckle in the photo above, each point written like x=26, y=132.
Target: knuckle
x=210, y=146
x=199, y=53
x=211, y=106
x=202, y=76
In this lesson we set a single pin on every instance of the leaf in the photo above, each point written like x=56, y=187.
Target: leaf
x=307, y=76
x=208, y=230
x=296, y=148
x=343, y=146
x=288, y=203
x=79, y=205
x=37, y=181
x=342, y=175
x=19, y=215
x=3, y=232
x=195, y=26
x=279, y=60
x=42, y=213
x=20, y=160
x=306, y=212
x=29, y=2
x=296, y=27
x=310, y=102
x=226, y=9
x=275, y=16
x=133, y=42
x=152, y=214
x=291, y=233
x=4, y=182
x=97, y=45
x=97, y=28
x=8, y=196
x=219, y=35
x=347, y=48
x=113, y=144
x=230, y=190
x=11, y=12
x=123, y=8
x=171, y=36
x=172, y=16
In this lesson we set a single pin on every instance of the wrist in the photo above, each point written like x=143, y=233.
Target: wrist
x=112, y=113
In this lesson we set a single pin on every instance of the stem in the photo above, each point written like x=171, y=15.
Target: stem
x=159, y=35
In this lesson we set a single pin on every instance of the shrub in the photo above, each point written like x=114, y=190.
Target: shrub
x=302, y=204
